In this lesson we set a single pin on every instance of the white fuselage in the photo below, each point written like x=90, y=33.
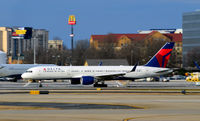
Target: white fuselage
x=12, y=70
x=68, y=72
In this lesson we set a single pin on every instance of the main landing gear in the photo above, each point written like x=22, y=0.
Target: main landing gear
x=102, y=84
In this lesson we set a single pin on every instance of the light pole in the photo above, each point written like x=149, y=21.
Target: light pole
x=18, y=55
x=72, y=38
x=72, y=21
x=34, y=54
x=131, y=57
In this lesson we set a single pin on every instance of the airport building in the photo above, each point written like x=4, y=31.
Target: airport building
x=15, y=46
x=191, y=33
x=55, y=44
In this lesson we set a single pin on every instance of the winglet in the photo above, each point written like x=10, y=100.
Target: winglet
x=196, y=65
x=134, y=68
x=161, y=58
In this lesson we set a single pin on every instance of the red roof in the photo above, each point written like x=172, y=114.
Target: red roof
x=98, y=37
x=134, y=37
x=174, y=37
x=137, y=37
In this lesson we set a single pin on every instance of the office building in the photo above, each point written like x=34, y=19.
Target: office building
x=5, y=39
x=55, y=44
x=191, y=33
x=16, y=46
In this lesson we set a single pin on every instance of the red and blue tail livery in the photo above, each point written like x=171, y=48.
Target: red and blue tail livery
x=162, y=56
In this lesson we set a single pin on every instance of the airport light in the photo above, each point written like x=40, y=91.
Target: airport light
x=34, y=51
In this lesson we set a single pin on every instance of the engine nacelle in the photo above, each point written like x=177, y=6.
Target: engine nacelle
x=87, y=80
x=75, y=81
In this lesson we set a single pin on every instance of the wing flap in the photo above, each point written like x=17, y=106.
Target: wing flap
x=109, y=76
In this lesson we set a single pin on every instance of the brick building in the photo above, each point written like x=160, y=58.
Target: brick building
x=121, y=40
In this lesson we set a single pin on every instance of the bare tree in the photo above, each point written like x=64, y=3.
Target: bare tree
x=80, y=52
x=51, y=56
x=107, y=51
x=193, y=55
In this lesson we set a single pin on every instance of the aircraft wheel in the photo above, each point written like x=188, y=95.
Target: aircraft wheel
x=14, y=80
x=100, y=85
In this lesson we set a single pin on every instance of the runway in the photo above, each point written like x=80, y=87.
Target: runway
x=179, y=84
x=68, y=105
x=152, y=107
x=137, y=101
x=131, y=87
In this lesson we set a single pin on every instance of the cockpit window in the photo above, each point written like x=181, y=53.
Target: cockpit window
x=29, y=71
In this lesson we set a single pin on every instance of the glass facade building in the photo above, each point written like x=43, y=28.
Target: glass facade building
x=191, y=33
x=17, y=46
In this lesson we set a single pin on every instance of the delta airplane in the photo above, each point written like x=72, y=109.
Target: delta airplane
x=12, y=72
x=88, y=75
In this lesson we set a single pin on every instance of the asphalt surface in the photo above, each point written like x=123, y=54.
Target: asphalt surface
x=153, y=107
x=67, y=105
x=134, y=101
x=179, y=84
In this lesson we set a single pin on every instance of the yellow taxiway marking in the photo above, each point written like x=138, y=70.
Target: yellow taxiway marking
x=25, y=108
x=152, y=116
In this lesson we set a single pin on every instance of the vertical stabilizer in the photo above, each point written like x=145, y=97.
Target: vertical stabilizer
x=161, y=58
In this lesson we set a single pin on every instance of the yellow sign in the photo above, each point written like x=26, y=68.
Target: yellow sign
x=20, y=31
x=34, y=92
x=72, y=20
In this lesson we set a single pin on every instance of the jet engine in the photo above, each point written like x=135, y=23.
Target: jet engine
x=87, y=80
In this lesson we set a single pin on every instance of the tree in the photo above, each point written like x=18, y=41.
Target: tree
x=80, y=52
x=193, y=55
x=50, y=56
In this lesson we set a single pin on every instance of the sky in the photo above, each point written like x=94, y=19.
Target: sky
x=94, y=17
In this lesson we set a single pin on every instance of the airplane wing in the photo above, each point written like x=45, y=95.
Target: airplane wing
x=110, y=75
x=103, y=76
